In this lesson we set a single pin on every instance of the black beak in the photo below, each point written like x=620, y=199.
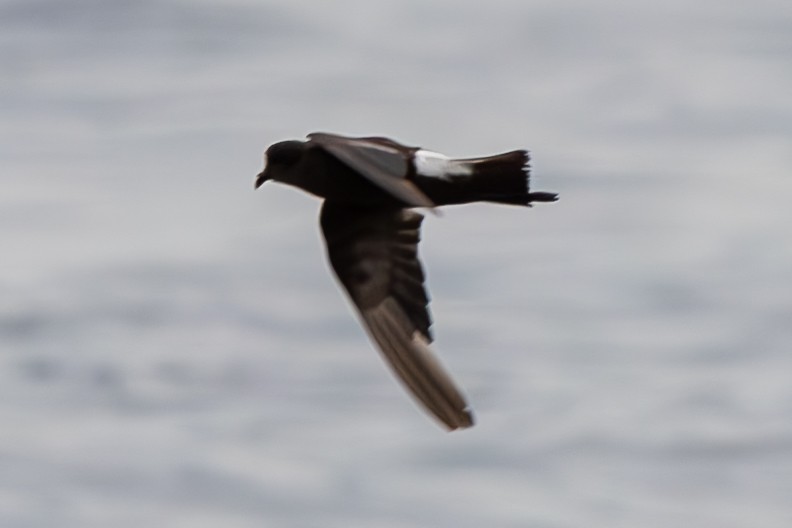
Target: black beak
x=261, y=178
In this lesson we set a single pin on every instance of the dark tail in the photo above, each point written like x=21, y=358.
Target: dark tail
x=504, y=178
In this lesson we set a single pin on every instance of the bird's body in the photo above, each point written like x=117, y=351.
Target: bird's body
x=369, y=186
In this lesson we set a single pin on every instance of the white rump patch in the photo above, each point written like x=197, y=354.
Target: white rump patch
x=428, y=163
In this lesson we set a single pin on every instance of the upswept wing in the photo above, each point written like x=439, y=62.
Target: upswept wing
x=383, y=161
x=374, y=256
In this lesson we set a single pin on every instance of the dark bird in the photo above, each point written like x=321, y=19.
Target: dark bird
x=369, y=186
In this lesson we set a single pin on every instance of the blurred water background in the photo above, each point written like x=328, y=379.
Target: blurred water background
x=175, y=353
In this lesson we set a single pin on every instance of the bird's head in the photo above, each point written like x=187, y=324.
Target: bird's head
x=278, y=159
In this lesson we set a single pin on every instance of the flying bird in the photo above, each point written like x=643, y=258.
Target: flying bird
x=370, y=186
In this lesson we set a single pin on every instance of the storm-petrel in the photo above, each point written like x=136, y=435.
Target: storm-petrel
x=369, y=186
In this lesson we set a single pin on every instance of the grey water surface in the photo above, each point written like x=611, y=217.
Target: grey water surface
x=175, y=353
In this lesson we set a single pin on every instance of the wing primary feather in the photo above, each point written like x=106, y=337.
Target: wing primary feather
x=416, y=366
